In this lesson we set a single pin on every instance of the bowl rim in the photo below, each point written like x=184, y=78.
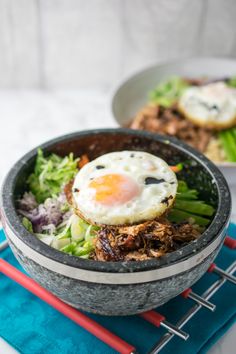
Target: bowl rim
x=133, y=75
x=214, y=230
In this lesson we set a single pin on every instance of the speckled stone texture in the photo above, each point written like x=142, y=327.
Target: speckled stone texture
x=197, y=171
x=119, y=299
x=112, y=300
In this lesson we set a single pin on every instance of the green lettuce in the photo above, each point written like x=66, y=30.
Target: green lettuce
x=50, y=174
x=168, y=92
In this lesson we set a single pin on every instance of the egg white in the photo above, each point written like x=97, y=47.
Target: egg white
x=212, y=106
x=151, y=202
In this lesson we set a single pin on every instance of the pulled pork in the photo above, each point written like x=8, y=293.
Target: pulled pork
x=170, y=122
x=68, y=191
x=148, y=240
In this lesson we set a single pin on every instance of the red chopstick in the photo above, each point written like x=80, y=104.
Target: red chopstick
x=84, y=321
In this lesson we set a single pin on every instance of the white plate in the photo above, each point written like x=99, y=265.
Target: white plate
x=132, y=93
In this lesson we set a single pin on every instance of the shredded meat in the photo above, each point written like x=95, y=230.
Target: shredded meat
x=106, y=248
x=148, y=240
x=68, y=191
x=136, y=256
x=170, y=122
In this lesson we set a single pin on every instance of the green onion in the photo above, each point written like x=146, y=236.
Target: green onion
x=84, y=250
x=69, y=248
x=27, y=224
x=80, y=236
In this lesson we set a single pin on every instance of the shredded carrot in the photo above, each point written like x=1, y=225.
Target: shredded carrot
x=176, y=168
x=83, y=160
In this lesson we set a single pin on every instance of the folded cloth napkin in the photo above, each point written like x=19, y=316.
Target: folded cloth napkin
x=33, y=327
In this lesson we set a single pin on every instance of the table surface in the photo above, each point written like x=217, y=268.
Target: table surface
x=28, y=118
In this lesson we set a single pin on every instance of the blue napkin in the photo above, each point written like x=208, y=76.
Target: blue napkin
x=32, y=326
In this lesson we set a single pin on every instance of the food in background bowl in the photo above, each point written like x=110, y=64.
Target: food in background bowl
x=123, y=205
x=200, y=112
x=211, y=105
x=121, y=287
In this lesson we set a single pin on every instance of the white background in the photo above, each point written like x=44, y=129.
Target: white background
x=77, y=43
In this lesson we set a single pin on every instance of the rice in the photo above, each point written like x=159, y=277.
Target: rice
x=214, y=150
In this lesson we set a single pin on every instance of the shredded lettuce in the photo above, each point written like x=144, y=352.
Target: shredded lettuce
x=50, y=174
x=49, y=216
x=168, y=92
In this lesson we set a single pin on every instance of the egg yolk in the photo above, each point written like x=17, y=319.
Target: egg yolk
x=114, y=189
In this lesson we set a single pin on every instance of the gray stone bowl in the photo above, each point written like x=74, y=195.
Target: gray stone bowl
x=118, y=288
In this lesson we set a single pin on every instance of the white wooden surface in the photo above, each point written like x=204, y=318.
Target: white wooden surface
x=77, y=43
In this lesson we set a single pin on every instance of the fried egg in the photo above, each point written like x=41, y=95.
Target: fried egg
x=212, y=105
x=124, y=187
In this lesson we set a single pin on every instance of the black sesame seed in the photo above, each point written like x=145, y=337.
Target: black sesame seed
x=153, y=180
x=214, y=107
x=166, y=200
x=99, y=167
x=75, y=190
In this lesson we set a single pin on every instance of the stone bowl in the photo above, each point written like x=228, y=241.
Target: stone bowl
x=118, y=288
